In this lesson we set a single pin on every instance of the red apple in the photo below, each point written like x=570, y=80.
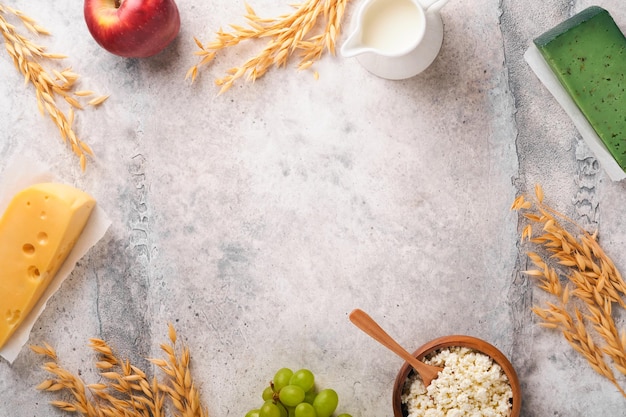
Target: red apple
x=132, y=28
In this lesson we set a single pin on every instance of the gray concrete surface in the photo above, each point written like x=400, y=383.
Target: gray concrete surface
x=255, y=221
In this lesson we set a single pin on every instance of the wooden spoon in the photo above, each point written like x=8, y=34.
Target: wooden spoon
x=364, y=322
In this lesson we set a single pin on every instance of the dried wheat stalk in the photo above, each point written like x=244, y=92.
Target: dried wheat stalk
x=596, y=282
x=50, y=84
x=125, y=389
x=289, y=34
x=180, y=388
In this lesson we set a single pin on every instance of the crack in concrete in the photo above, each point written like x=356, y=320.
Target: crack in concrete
x=98, y=316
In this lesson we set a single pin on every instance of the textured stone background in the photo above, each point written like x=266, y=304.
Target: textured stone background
x=255, y=221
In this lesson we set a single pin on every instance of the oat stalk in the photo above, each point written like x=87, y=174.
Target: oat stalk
x=125, y=389
x=593, y=281
x=52, y=85
x=180, y=386
x=289, y=34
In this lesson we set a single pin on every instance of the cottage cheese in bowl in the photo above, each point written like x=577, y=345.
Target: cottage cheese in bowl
x=477, y=380
x=471, y=384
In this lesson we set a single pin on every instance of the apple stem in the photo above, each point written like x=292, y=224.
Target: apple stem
x=118, y=3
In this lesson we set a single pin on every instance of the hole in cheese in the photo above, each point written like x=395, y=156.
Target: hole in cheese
x=42, y=238
x=33, y=272
x=13, y=316
x=28, y=249
x=42, y=216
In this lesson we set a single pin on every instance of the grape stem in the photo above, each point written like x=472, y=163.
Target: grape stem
x=274, y=393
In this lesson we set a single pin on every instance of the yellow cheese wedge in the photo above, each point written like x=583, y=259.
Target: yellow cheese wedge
x=37, y=232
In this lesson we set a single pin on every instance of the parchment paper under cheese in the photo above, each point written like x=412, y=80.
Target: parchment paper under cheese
x=19, y=174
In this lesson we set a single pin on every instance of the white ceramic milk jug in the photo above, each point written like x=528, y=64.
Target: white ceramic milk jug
x=396, y=39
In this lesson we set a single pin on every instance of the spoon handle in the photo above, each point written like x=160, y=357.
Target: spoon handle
x=364, y=322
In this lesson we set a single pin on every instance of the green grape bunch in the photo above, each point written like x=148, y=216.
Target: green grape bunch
x=294, y=394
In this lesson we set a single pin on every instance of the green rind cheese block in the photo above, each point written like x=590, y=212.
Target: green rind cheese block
x=587, y=53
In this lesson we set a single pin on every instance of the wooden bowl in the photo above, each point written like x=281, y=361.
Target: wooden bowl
x=454, y=341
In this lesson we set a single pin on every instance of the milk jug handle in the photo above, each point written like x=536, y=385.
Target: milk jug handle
x=434, y=6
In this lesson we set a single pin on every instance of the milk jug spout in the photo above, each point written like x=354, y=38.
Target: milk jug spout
x=353, y=46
